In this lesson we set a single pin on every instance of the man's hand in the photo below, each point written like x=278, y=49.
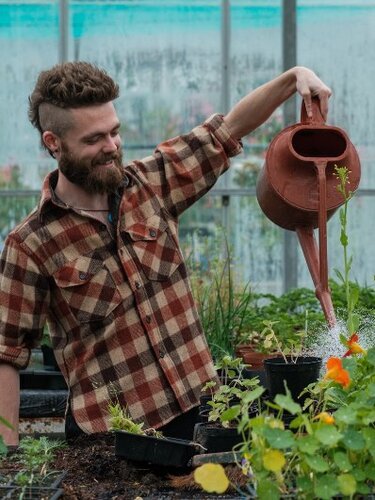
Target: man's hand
x=308, y=85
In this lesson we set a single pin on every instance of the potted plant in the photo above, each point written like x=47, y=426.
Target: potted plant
x=218, y=430
x=290, y=369
x=148, y=445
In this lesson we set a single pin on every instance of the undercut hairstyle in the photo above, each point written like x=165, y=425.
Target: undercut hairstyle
x=66, y=86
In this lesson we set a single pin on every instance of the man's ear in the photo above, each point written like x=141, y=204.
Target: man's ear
x=51, y=141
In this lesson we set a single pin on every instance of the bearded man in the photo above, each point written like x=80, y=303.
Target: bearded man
x=99, y=259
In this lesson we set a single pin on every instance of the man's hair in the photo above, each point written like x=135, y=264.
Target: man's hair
x=64, y=86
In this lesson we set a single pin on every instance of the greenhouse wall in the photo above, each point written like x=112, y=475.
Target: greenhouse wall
x=168, y=58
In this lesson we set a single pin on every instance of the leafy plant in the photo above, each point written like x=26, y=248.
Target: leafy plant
x=36, y=455
x=290, y=348
x=351, y=292
x=222, y=304
x=120, y=419
x=3, y=448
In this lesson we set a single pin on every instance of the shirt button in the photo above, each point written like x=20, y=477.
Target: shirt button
x=82, y=276
x=137, y=284
x=161, y=354
x=152, y=233
x=148, y=318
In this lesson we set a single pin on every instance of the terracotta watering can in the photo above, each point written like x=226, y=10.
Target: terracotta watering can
x=297, y=188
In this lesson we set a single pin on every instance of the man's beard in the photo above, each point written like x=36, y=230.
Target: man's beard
x=88, y=175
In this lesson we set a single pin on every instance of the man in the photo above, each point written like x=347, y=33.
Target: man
x=99, y=260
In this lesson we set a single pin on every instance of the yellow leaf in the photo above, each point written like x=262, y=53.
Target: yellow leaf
x=212, y=478
x=273, y=460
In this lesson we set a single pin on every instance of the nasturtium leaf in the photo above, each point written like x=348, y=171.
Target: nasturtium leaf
x=359, y=474
x=316, y=463
x=353, y=440
x=370, y=471
x=370, y=356
x=305, y=484
x=345, y=415
x=342, y=461
x=328, y=434
x=267, y=489
x=308, y=444
x=347, y=484
x=230, y=413
x=279, y=438
x=286, y=402
x=363, y=488
x=212, y=478
x=369, y=436
x=371, y=389
x=326, y=486
x=273, y=460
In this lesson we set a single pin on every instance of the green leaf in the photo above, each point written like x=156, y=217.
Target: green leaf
x=231, y=413
x=286, y=402
x=369, y=436
x=363, y=488
x=308, y=444
x=278, y=438
x=3, y=448
x=267, y=489
x=343, y=239
x=343, y=340
x=354, y=295
x=355, y=322
x=353, y=440
x=347, y=484
x=342, y=461
x=340, y=276
x=345, y=415
x=326, y=486
x=253, y=395
x=370, y=471
x=305, y=485
x=5, y=422
x=328, y=434
x=370, y=357
x=359, y=474
x=316, y=463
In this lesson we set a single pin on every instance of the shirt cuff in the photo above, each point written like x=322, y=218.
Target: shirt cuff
x=217, y=126
x=16, y=356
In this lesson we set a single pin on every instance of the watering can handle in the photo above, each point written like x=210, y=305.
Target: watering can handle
x=317, y=117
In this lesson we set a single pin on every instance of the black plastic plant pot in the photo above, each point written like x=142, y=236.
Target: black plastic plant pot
x=169, y=452
x=216, y=438
x=296, y=375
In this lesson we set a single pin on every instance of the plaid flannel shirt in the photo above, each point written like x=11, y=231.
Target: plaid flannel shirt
x=120, y=310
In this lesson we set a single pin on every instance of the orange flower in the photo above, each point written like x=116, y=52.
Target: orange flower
x=336, y=372
x=325, y=417
x=354, y=347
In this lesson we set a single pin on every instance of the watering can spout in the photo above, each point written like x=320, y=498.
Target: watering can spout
x=318, y=270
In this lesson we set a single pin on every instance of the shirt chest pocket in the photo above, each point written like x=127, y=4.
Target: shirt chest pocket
x=154, y=247
x=88, y=288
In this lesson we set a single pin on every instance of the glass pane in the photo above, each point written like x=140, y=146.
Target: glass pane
x=165, y=56
x=29, y=43
x=336, y=39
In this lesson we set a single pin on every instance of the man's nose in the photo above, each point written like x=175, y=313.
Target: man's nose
x=111, y=145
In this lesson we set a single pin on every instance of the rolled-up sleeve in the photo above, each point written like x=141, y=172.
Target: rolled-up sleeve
x=184, y=168
x=24, y=293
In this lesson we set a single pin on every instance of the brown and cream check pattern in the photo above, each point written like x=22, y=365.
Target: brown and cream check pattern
x=120, y=310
